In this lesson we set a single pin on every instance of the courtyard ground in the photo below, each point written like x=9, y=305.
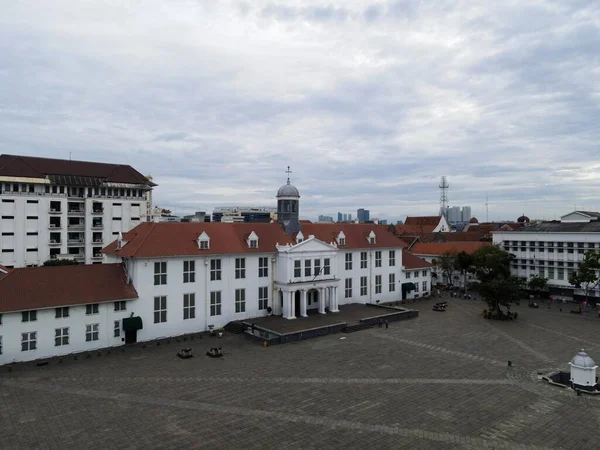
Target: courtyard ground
x=439, y=381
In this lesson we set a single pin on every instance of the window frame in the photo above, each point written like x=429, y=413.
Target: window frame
x=120, y=305
x=263, y=266
x=307, y=267
x=363, y=286
x=92, y=332
x=363, y=260
x=31, y=341
x=29, y=315
x=326, y=266
x=160, y=273
x=392, y=258
x=263, y=298
x=93, y=307
x=117, y=328
x=297, y=268
x=240, y=300
x=348, y=260
x=59, y=338
x=240, y=268
x=160, y=309
x=215, y=269
x=189, y=306
x=392, y=282
x=189, y=271
x=59, y=313
x=378, y=284
x=348, y=288
x=216, y=304
x=377, y=258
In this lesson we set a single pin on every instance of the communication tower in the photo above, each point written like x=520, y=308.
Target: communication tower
x=444, y=186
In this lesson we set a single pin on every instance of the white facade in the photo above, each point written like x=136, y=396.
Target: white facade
x=40, y=221
x=28, y=340
x=552, y=255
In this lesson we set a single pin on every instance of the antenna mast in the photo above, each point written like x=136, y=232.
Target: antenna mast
x=444, y=186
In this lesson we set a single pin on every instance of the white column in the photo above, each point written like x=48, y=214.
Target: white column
x=290, y=305
x=321, y=302
x=333, y=306
x=286, y=304
x=303, y=303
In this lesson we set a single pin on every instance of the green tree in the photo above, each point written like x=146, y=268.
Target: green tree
x=537, y=283
x=497, y=287
x=586, y=276
x=60, y=262
x=464, y=263
x=447, y=264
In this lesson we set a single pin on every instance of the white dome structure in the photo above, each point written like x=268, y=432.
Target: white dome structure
x=583, y=371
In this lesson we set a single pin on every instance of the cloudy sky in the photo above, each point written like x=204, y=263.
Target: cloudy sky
x=369, y=102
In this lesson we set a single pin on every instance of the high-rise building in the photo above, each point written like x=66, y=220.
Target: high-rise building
x=362, y=215
x=466, y=214
x=325, y=219
x=55, y=208
x=456, y=214
x=345, y=217
x=340, y=217
x=349, y=217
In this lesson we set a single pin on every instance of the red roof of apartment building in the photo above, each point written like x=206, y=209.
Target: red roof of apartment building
x=53, y=286
x=149, y=240
x=439, y=248
x=411, y=262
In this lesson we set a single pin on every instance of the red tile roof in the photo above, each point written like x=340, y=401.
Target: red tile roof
x=421, y=248
x=53, y=286
x=423, y=220
x=414, y=230
x=411, y=262
x=33, y=167
x=3, y=271
x=149, y=240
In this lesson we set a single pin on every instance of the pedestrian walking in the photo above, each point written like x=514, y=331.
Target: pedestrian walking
x=379, y=323
x=386, y=324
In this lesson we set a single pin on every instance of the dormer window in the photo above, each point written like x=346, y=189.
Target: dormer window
x=341, y=238
x=371, y=237
x=252, y=240
x=299, y=237
x=204, y=241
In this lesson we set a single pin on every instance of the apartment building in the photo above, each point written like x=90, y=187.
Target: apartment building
x=553, y=249
x=53, y=208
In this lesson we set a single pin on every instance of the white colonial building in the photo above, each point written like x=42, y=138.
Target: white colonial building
x=191, y=277
x=553, y=249
x=53, y=208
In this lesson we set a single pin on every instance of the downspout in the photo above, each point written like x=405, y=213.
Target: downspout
x=206, y=292
x=370, y=276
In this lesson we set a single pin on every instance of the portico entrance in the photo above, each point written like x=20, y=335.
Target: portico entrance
x=313, y=299
x=297, y=302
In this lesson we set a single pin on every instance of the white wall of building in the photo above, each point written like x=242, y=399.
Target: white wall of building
x=12, y=328
x=25, y=223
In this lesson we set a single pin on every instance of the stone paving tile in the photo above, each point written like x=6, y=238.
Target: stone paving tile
x=358, y=392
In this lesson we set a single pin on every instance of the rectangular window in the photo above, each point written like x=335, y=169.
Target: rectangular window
x=215, y=303
x=204, y=244
x=28, y=341
x=117, y=329
x=348, y=261
x=240, y=300
x=297, y=268
x=29, y=316
x=392, y=282
x=189, y=271
x=348, y=288
x=541, y=272
x=307, y=267
x=92, y=332
x=363, y=285
x=424, y=286
x=378, y=284
x=263, y=267
x=60, y=313
x=61, y=337
x=392, y=258
x=363, y=260
x=326, y=266
x=424, y=273
x=561, y=274
x=160, y=273
x=0, y=345
x=189, y=306
x=215, y=269
x=91, y=309
x=121, y=306
x=408, y=275
x=160, y=309
x=240, y=267
x=263, y=297
x=550, y=273
x=416, y=287
x=378, y=258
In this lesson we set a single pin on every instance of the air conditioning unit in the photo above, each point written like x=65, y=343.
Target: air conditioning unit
x=53, y=241
x=98, y=255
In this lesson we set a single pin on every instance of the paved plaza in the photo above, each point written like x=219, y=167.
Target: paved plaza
x=438, y=381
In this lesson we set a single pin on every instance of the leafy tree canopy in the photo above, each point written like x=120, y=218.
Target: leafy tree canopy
x=586, y=276
x=60, y=262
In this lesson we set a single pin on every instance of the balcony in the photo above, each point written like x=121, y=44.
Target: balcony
x=76, y=212
x=75, y=242
x=96, y=211
x=54, y=211
x=97, y=226
x=54, y=242
x=76, y=226
x=98, y=241
x=54, y=226
x=97, y=256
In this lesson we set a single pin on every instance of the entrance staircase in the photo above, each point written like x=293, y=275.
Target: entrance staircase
x=235, y=327
x=355, y=328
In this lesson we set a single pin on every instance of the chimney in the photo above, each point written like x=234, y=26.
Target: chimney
x=120, y=241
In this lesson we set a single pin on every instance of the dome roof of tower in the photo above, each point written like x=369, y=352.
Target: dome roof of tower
x=582, y=359
x=288, y=190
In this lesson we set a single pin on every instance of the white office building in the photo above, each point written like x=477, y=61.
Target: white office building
x=553, y=249
x=168, y=279
x=53, y=208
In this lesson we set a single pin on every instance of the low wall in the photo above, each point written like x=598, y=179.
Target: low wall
x=262, y=335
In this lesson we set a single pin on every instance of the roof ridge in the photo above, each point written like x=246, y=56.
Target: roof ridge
x=152, y=224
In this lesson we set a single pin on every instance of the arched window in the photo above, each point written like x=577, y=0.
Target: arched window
x=293, y=206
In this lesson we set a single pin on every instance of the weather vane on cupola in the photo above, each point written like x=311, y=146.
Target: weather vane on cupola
x=288, y=171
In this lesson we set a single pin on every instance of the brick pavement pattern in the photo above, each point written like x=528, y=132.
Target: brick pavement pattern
x=439, y=381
